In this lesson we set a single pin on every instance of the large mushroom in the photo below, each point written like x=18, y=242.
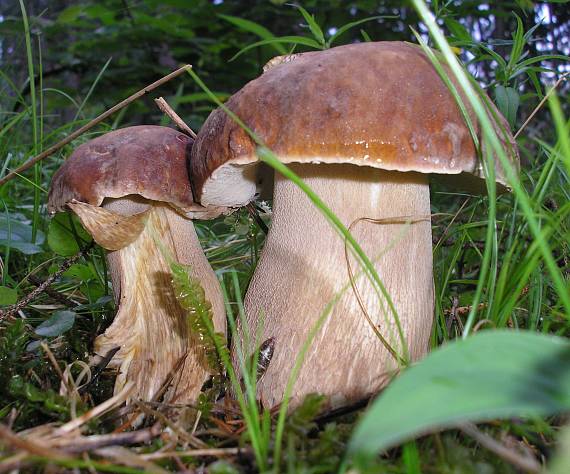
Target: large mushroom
x=131, y=191
x=364, y=125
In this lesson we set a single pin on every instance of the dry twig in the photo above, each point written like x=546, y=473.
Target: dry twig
x=163, y=105
x=32, y=447
x=79, y=444
x=217, y=452
x=541, y=103
x=14, y=309
x=72, y=136
x=525, y=462
x=56, y=295
x=128, y=458
x=96, y=411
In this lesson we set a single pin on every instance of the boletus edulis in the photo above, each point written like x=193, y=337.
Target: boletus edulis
x=131, y=191
x=364, y=125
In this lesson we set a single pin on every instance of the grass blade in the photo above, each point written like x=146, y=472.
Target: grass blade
x=280, y=40
x=313, y=26
x=344, y=28
x=255, y=28
x=493, y=141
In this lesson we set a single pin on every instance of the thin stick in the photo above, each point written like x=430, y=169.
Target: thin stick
x=9, y=437
x=96, y=411
x=12, y=310
x=163, y=105
x=56, y=295
x=256, y=217
x=526, y=462
x=178, y=430
x=541, y=103
x=17, y=461
x=129, y=458
x=52, y=149
x=71, y=389
x=79, y=444
x=214, y=452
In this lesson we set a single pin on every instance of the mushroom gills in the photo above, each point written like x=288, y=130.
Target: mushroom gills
x=303, y=266
x=150, y=326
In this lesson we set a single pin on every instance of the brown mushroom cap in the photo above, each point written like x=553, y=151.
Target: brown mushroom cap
x=145, y=160
x=371, y=104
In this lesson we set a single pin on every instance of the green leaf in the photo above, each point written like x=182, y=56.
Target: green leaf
x=518, y=43
x=255, y=28
x=542, y=57
x=508, y=101
x=201, y=96
x=458, y=30
x=8, y=296
x=313, y=25
x=57, y=324
x=344, y=28
x=81, y=272
x=560, y=463
x=63, y=233
x=18, y=235
x=366, y=36
x=493, y=374
x=411, y=458
x=282, y=39
x=192, y=297
x=70, y=14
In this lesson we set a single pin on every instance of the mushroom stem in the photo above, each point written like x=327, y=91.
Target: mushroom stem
x=150, y=326
x=303, y=266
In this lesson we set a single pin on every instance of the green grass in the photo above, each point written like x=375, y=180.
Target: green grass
x=503, y=258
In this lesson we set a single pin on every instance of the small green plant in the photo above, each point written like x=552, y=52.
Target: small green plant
x=499, y=263
x=318, y=41
x=192, y=298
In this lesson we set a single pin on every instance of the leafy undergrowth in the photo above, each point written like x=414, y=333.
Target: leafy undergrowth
x=500, y=265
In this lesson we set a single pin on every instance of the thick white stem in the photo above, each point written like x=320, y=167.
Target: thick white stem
x=303, y=266
x=150, y=326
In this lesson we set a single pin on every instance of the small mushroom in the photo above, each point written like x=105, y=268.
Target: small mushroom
x=364, y=125
x=131, y=191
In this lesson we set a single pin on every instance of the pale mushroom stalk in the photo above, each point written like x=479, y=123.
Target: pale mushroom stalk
x=142, y=220
x=290, y=288
x=150, y=327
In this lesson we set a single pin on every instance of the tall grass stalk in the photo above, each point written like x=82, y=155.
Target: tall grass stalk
x=91, y=89
x=33, y=106
x=249, y=407
x=492, y=140
x=490, y=254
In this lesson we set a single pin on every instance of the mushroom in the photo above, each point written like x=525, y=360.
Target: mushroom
x=364, y=125
x=131, y=191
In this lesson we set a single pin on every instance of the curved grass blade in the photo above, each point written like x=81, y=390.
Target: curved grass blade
x=255, y=28
x=280, y=40
x=493, y=142
x=344, y=28
x=313, y=26
x=266, y=155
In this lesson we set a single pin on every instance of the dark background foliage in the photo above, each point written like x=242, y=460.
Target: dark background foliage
x=145, y=39
x=93, y=54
